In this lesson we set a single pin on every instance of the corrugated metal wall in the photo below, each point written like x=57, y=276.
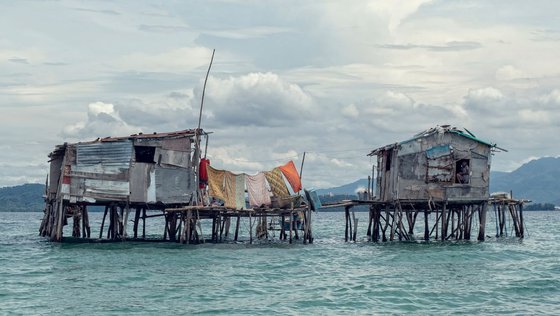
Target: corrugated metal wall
x=117, y=154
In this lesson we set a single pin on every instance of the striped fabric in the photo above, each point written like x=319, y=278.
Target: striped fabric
x=277, y=184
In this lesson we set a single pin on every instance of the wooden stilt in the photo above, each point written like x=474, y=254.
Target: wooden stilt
x=237, y=227
x=228, y=222
x=188, y=227
x=521, y=223
x=443, y=222
x=482, y=221
x=355, y=226
x=85, y=222
x=291, y=225
x=426, y=228
x=103, y=222
x=370, y=222
x=250, y=229
x=126, y=211
x=144, y=223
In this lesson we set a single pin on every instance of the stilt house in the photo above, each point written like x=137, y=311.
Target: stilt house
x=153, y=168
x=441, y=163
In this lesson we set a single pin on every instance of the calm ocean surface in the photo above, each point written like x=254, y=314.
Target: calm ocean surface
x=505, y=276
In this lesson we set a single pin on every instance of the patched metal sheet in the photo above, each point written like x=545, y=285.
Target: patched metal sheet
x=438, y=151
x=116, y=154
x=139, y=181
x=177, y=144
x=104, y=189
x=173, y=158
x=101, y=171
x=174, y=185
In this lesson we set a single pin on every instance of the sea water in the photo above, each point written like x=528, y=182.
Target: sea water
x=328, y=277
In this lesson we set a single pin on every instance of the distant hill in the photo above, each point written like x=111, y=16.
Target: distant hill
x=537, y=180
x=22, y=198
x=346, y=189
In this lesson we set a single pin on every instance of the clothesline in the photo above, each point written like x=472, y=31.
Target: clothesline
x=230, y=187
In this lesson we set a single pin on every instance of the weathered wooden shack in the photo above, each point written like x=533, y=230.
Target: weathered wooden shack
x=149, y=172
x=443, y=173
x=442, y=163
x=141, y=168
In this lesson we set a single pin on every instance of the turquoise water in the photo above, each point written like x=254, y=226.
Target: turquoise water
x=506, y=276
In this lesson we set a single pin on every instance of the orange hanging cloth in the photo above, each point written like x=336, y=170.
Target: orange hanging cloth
x=290, y=172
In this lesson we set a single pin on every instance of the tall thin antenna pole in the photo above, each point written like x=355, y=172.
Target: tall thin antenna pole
x=204, y=89
x=301, y=168
x=197, y=133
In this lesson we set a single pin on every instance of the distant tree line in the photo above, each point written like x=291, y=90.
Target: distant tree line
x=539, y=207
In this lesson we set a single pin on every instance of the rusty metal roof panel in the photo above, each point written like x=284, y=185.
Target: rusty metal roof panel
x=182, y=133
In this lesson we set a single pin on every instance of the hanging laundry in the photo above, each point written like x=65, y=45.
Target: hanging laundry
x=257, y=190
x=234, y=190
x=313, y=199
x=277, y=184
x=203, y=172
x=216, y=182
x=290, y=172
x=240, y=192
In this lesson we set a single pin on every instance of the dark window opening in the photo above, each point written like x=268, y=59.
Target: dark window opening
x=463, y=171
x=388, y=157
x=145, y=153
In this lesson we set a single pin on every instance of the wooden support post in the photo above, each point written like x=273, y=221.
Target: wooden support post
x=214, y=229
x=237, y=227
x=60, y=220
x=103, y=222
x=355, y=232
x=443, y=222
x=188, y=227
x=310, y=226
x=386, y=219
x=482, y=221
x=85, y=219
x=166, y=226
x=393, y=226
x=426, y=228
x=374, y=224
x=291, y=225
x=111, y=222
x=251, y=229
x=347, y=217
x=436, y=225
x=282, y=227
x=370, y=222
x=521, y=223
x=126, y=211
x=76, y=219
x=143, y=223
x=136, y=219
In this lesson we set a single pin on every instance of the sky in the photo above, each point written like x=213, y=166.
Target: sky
x=333, y=79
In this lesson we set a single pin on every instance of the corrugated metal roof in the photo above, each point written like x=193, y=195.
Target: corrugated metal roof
x=431, y=131
x=117, y=153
